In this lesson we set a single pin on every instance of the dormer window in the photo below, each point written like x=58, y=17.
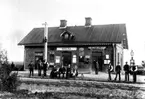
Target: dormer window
x=67, y=36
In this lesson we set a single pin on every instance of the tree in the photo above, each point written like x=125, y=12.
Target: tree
x=3, y=57
x=8, y=79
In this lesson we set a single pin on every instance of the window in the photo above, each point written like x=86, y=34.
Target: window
x=51, y=57
x=74, y=59
x=81, y=58
x=107, y=56
x=57, y=59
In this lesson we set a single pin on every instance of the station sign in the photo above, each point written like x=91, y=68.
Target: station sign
x=38, y=53
x=66, y=49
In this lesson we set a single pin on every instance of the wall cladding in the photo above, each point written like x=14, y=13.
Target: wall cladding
x=30, y=55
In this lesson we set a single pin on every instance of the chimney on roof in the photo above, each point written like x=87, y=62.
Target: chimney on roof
x=63, y=24
x=88, y=22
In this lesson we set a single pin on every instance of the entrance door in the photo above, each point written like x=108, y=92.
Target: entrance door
x=66, y=58
x=37, y=58
x=97, y=56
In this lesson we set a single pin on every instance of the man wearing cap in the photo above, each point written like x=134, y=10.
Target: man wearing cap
x=126, y=69
x=118, y=70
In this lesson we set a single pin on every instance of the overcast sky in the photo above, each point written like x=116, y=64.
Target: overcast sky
x=19, y=17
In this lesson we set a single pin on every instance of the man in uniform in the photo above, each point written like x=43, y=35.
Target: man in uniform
x=31, y=68
x=118, y=70
x=110, y=68
x=126, y=69
x=45, y=64
x=134, y=69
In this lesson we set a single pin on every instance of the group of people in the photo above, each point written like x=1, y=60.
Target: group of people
x=56, y=72
x=64, y=72
x=127, y=69
x=68, y=71
x=42, y=66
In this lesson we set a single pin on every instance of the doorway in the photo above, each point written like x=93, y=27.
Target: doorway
x=97, y=56
x=66, y=58
x=37, y=58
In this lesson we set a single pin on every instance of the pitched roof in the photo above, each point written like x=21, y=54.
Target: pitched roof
x=112, y=33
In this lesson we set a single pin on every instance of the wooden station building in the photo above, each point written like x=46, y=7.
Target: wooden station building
x=77, y=45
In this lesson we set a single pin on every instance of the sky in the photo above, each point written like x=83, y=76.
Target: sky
x=19, y=17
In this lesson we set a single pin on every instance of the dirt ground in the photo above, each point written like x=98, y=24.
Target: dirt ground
x=75, y=89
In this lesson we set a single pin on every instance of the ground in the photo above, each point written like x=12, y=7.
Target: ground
x=87, y=87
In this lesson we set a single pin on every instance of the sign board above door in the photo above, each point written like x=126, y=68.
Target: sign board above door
x=66, y=49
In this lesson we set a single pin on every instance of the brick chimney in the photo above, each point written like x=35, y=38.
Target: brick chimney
x=88, y=22
x=63, y=24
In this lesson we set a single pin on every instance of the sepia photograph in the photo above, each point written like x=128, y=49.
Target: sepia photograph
x=72, y=49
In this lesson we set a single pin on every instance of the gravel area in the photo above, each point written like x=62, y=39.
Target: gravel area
x=99, y=91
x=82, y=88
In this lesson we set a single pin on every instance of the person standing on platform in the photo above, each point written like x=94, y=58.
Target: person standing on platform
x=75, y=72
x=12, y=66
x=118, y=71
x=68, y=71
x=39, y=67
x=45, y=67
x=110, y=68
x=31, y=69
x=134, y=69
x=126, y=69
x=96, y=66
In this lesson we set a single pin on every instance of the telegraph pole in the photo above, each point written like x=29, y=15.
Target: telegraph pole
x=45, y=40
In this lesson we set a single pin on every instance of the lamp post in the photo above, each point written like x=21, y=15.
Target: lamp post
x=132, y=60
x=45, y=40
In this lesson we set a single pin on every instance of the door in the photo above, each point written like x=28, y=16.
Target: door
x=37, y=58
x=66, y=58
x=97, y=56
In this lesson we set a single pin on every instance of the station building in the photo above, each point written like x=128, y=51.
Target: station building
x=77, y=45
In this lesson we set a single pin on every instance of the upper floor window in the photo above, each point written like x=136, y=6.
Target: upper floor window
x=67, y=36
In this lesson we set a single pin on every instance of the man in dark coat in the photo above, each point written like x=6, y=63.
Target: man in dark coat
x=118, y=70
x=39, y=67
x=126, y=69
x=53, y=73
x=44, y=67
x=31, y=68
x=62, y=71
x=134, y=69
x=12, y=66
x=96, y=66
x=68, y=71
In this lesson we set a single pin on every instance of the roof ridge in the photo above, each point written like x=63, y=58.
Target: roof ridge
x=83, y=25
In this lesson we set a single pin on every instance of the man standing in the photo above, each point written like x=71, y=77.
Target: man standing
x=39, y=67
x=134, y=69
x=96, y=66
x=68, y=71
x=110, y=68
x=12, y=66
x=44, y=67
x=30, y=66
x=126, y=69
x=118, y=70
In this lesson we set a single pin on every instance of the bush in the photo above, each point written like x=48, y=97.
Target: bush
x=8, y=80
